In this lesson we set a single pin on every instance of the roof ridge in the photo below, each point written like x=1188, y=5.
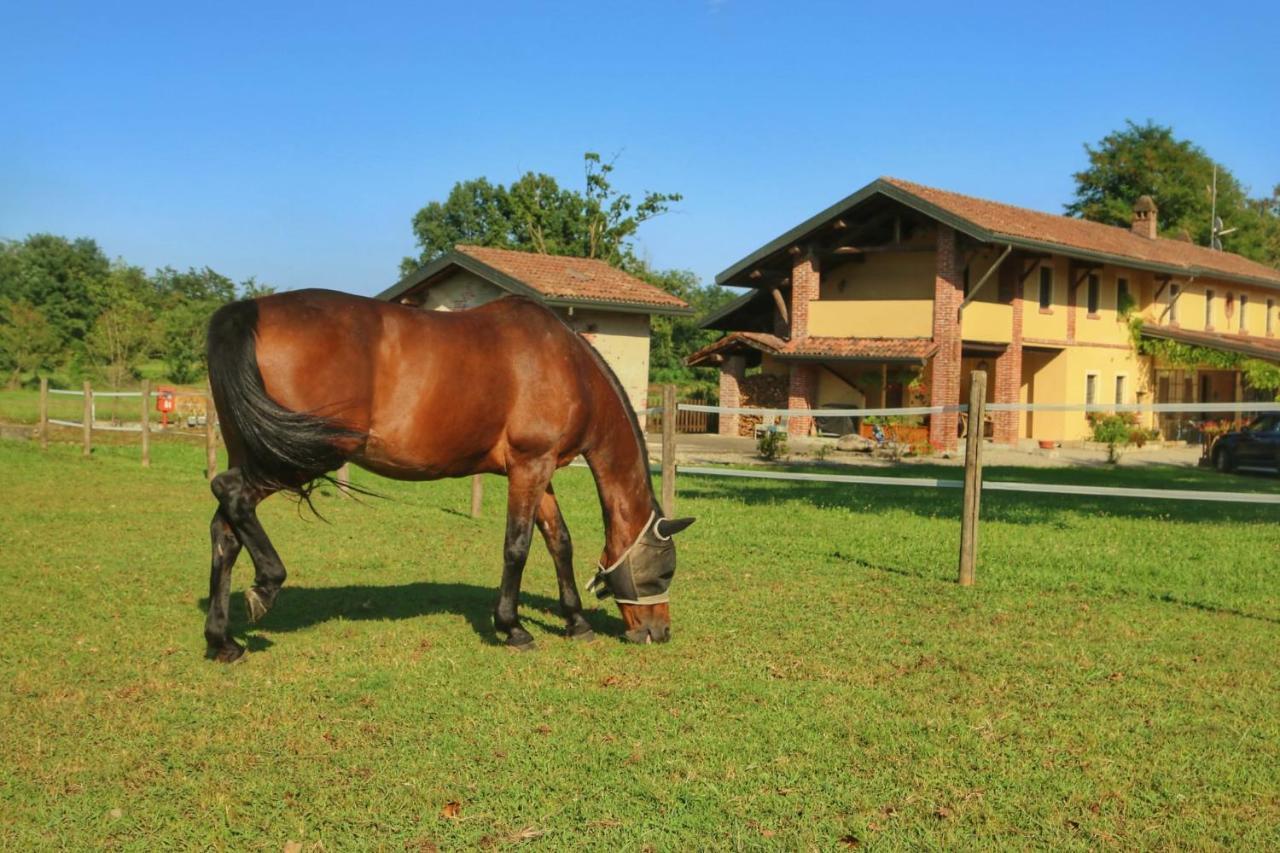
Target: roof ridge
x=1157, y=241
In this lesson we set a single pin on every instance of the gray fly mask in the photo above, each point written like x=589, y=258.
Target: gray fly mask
x=643, y=573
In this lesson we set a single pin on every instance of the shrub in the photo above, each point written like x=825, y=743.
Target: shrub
x=1114, y=432
x=771, y=445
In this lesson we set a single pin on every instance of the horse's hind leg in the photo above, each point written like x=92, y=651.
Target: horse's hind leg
x=239, y=502
x=226, y=547
x=526, y=484
x=551, y=523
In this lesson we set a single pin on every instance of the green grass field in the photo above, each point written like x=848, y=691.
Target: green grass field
x=1111, y=681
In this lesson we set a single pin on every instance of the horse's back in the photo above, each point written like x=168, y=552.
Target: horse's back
x=438, y=393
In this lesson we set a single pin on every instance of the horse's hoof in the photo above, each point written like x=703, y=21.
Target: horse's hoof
x=585, y=635
x=257, y=605
x=227, y=654
x=520, y=640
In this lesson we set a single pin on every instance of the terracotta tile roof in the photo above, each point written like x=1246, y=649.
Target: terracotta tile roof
x=569, y=278
x=754, y=340
x=1071, y=233
x=1251, y=345
x=862, y=349
x=815, y=348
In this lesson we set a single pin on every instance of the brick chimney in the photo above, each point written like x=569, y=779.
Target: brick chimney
x=1144, y=217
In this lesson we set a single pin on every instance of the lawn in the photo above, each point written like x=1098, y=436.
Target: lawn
x=1111, y=681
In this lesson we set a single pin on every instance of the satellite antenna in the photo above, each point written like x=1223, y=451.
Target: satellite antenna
x=1216, y=231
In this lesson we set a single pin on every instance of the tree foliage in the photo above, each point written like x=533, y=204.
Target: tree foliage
x=27, y=340
x=65, y=307
x=1147, y=159
x=536, y=214
x=673, y=338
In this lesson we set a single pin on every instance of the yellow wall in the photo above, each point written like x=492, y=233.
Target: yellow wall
x=987, y=321
x=1107, y=327
x=887, y=295
x=1062, y=378
x=1035, y=323
x=1191, y=313
x=623, y=340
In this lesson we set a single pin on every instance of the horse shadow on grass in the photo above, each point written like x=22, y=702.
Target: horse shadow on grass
x=301, y=607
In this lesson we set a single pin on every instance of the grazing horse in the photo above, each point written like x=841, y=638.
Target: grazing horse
x=307, y=380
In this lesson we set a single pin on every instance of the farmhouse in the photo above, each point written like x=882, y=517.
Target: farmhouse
x=602, y=303
x=893, y=295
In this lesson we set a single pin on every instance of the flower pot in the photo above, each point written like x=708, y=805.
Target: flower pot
x=1047, y=445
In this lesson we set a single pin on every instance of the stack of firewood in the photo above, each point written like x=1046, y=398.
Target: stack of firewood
x=761, y=391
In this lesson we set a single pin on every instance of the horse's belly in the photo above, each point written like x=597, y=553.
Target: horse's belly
x=424, y=460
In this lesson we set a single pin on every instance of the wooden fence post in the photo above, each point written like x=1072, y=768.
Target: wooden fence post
x=210, y=437
x=44, y=413
x=477, y=495
x=669, y=450
x=146, y=423
x=86, y=419
x=972, y=476
x=344, y=479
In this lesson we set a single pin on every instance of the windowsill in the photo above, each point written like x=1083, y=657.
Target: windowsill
x=1093, y=316
x=1048, y=311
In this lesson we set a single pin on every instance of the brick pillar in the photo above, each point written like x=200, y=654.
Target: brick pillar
x=1008, y=378
x=948, y=293
x=732, y=373
x=804, y=289
x=802, y=394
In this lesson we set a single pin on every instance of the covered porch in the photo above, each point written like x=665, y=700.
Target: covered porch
x=760, y=370
x=1205, y=382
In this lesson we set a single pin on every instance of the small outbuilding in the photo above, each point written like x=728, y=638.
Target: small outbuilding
x=605, y=305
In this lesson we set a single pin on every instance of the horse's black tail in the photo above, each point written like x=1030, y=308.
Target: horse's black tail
x=283, y=450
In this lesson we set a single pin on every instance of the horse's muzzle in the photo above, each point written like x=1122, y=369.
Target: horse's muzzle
x=647, y=623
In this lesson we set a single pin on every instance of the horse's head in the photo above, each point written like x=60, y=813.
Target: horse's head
x=640, y=579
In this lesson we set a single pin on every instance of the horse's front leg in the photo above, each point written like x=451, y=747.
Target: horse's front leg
x=551, y=524
x=526, y=486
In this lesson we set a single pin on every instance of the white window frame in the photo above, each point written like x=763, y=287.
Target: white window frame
x=1175, y=290
x=1209, y=296
x=1122, y=388
x=1095, y=376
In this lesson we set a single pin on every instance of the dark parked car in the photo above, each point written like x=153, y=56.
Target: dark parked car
x=1255, y=446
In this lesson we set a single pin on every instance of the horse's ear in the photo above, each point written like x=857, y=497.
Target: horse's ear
x=668, y=527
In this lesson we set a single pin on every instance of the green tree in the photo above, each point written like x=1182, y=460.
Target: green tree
x=536, y=214
x=28, y=342
x=673, y=339
x=123, y=331
x=1146, y=159
x=55, y=275
x=186, y=300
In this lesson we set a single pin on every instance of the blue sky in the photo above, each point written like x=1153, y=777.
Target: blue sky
x=295, y=143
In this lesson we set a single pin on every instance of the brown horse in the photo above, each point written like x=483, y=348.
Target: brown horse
x=307, y=380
